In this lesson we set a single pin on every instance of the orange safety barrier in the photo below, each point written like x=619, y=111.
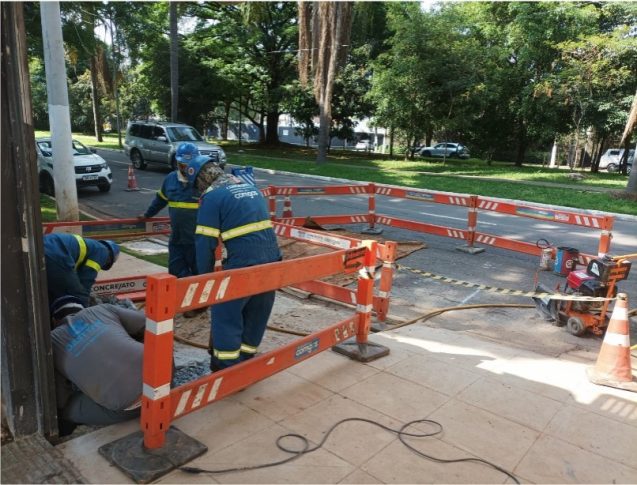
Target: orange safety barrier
x=385, y=253
x=134, y=287
x=130, y=227
x=473, y=203
x=168, y=296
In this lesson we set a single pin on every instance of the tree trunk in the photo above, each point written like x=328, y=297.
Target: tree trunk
x=272, y=133
x=115, y=87
x=522, y=145
x=631, y=187
x=174, y=63
x=391, y=142
x=631, y=123
x=95, y=99
x=226, y=121
x=330, y=26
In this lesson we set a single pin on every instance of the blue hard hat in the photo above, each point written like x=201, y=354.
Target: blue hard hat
x=113, y=249
x=186, y=152
x=195, y=166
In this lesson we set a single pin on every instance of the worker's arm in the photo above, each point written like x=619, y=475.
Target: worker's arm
x=76, y=286
x=159, y=202
x=206, y=234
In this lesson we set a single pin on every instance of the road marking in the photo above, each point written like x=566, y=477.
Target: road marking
x=470, y=296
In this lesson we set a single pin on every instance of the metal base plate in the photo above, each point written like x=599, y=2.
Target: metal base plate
x=145, y=465
x=361, y=352
x=369, y=230
x=606, y=380
x=469, y=249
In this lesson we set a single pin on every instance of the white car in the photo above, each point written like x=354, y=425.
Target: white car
x=90, y=168
x=448, y=150
x=611, y=158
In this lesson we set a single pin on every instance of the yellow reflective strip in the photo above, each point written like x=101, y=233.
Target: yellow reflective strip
x=184, y=205
x=226, y=355
x=82, y=255
x=93, y=264
x=161, y=194
x=248, y=349
x=247, y=229
x=207, y=231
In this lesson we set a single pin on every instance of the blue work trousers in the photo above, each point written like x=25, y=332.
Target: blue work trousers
x=181, y=260
x=238, y=326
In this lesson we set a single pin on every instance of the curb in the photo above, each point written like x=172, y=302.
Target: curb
x=622, y=217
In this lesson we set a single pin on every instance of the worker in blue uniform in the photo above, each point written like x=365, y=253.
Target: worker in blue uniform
x=237, y=214
x=182, y=200
x=72, y=264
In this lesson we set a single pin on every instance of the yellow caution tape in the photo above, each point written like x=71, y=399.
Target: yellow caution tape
x=502, y=291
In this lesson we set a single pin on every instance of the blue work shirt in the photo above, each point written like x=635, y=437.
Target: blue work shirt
x=238, y=214
x=183, y=201
x=82, y=255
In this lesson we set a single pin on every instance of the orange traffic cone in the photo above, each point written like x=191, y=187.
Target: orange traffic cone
x=132, y=181
x=287, y=208
x=613, y=367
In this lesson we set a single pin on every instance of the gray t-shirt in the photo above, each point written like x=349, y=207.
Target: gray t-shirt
x=95, y=350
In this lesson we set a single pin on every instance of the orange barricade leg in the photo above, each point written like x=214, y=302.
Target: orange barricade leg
x=472, y=222
x=287, y=208
x=272, y=203
x=606, y=236
x=371, y=218
x=384, y=287
x=613, y=366
x=158, y=447
x=359, y=348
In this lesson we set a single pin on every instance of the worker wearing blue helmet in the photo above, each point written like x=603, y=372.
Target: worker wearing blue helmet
x=72, y=264
x=235, y=213
x=182, y=200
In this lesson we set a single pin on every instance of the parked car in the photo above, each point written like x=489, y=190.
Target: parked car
x=365, y=145
x=148, y=141
x=611, y=158
x=90, y=168
x=446, y=149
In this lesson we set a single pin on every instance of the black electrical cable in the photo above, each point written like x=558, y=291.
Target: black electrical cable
x=401, y=433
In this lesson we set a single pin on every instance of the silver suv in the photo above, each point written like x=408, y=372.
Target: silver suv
x=150, y=141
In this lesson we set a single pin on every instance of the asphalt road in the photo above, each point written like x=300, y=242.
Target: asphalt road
x=494, y=266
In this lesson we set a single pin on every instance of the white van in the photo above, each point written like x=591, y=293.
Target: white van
x=610, y=159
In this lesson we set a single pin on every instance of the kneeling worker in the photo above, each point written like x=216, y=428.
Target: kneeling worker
x=98, y=358
x=238, y=214
x=72, y=264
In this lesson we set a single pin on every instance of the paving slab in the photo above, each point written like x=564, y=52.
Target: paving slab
x=530, y=413
x=551, y=460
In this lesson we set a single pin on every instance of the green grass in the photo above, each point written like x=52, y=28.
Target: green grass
x=49, y=211
x=460, y=176
x=160, y=259
x=413, y=174
x=109, y=139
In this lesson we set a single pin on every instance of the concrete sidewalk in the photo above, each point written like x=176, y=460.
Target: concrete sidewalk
x=535, y=416
x=505, y=389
